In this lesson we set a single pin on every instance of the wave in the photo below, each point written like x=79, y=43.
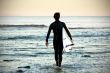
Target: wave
x=25, y=25
x=89, y=27
x=33, y=37
x=84, y=52
x=42, y=54
x=43, y=25
x=31, y=55
x=18, y=55
x=102, y=35
x=96, y=52
x=21, y=37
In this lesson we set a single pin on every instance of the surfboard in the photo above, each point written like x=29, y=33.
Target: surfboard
x=67, y=42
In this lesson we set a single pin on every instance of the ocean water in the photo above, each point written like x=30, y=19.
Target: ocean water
x=22, y=46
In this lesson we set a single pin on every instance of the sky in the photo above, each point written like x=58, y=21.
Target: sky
x=49, y=7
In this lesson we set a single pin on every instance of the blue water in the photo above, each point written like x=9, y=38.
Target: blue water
x=20, y=42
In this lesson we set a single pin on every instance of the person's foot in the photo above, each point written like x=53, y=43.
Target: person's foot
x=59, y=64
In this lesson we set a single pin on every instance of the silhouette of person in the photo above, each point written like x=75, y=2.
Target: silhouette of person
x=57, y=27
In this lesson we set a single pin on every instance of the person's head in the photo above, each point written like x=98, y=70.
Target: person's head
x=57, y=16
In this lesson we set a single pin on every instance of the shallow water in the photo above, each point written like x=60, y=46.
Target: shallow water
x=22, y=50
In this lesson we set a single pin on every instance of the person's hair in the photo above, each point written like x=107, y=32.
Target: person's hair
x=56, y=15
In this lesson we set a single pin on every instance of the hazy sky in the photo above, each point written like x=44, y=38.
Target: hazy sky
x=48, y=7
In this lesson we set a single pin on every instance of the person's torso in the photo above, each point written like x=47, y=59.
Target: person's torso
x=57, y=30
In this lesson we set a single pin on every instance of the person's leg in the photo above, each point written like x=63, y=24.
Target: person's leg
x=56, y=53
x=60, y=57
x=56, y=57
x=60, y=49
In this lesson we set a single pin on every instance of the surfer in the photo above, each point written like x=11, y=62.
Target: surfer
x=57, y=27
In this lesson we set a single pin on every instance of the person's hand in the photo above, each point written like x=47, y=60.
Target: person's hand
x=46, y=44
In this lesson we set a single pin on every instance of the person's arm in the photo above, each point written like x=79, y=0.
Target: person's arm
x=48, y=34
x=67, y=31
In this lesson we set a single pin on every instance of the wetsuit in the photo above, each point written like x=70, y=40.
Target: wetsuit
x=57, y=27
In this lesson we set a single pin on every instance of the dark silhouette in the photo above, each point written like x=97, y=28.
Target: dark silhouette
x=57, y=27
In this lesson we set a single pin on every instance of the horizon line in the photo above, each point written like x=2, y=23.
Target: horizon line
x=51, y=16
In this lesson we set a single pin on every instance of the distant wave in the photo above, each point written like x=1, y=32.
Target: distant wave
x=20, y=37
x=43, y=37
x=31, y=25
x=42, y=25
x=89, y=27
x=96, y=52
x=100, y=35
